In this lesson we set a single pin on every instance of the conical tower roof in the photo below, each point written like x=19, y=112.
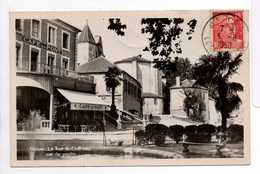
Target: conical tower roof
x=86, y=35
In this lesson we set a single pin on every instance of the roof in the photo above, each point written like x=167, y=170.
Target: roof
x=75, y=97
x=98, y=39
x=68, y=25
x=97, y=65
x=86, y=35
x=188, y=84
x=150, y=95
x=134, y=58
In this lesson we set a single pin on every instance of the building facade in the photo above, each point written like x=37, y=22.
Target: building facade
x=128, y=94
x=199, y=101
x=91, y=61
x=50, y=94
x=89, y=46
x=151, y=80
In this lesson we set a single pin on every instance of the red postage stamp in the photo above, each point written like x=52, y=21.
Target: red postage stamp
x=227, y=30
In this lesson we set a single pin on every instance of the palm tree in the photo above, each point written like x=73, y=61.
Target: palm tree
x=214, y=72
x=112, y=79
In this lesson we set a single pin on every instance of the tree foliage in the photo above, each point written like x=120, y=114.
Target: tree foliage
x=175, y=132
x=116, y=25
x=194, y=104
x=112, y=79
x=236, y=133
x=165, y=36
x=156, y=133
x=214, y=72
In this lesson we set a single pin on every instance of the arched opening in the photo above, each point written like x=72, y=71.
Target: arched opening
x=32, y=106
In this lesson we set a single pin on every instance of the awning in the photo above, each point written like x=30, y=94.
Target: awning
x=84, y=101
x=29, y=82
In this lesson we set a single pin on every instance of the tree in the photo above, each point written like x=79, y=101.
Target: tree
x=194, y=104
x=175, y=132
x=236, y=133
x=116, y=26
x=112, y=79
x=214, y=72
x=164, y=41
x=165, y=44
x=156, y=133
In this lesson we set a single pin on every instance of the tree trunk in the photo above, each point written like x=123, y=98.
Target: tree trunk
x=113, y=96
x=113, y=106
x=224, y=121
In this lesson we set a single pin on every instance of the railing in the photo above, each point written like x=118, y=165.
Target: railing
x=41, y=68
x=45, y=124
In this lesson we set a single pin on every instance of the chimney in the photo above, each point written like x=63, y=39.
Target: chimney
x=178, y=82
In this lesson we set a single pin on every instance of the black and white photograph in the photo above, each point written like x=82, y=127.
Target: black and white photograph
x=130, y=88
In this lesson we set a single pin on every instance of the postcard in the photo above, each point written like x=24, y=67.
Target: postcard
x=130, y=88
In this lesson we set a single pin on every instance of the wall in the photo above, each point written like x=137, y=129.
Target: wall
x=214, y=115
x=82, y=53
x=150, y=80
x=149, y=106
x=43, y=40
x=132, y=101
x=177, y=97
x=106, y=95
x=86, y=52
x=123, y=101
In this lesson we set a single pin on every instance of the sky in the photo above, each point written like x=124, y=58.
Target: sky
x=120, y=47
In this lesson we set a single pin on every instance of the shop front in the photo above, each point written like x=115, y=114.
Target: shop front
x=78, y=112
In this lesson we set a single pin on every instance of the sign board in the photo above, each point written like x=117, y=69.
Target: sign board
x=88, y=107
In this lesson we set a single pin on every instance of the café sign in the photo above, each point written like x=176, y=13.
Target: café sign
x=40, y=44
x=88, y=107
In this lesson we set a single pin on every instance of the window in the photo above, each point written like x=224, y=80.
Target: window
x=65, y=40
x=35, y=30
x=52, y=31
x=65, y=66
x=125, y=87
x=18, y=25
x=34, y=59
x=139, y=93
x=18, y=55
x=129, y=86
x=50, y=63
x=155, y=101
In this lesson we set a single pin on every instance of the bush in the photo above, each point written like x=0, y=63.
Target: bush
x=175, y=132
x=190, y=132
x=236, y=133
x=156, y=133
x=141, y=137
x=204, y=133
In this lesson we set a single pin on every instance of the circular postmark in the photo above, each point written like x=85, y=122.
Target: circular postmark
x=225, y=31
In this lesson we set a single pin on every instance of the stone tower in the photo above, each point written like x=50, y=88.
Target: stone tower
x=89, y=47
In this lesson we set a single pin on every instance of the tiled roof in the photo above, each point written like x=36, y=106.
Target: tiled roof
x=134, y=58
x=86, y=35
x=97, y=65
x=188, y=84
